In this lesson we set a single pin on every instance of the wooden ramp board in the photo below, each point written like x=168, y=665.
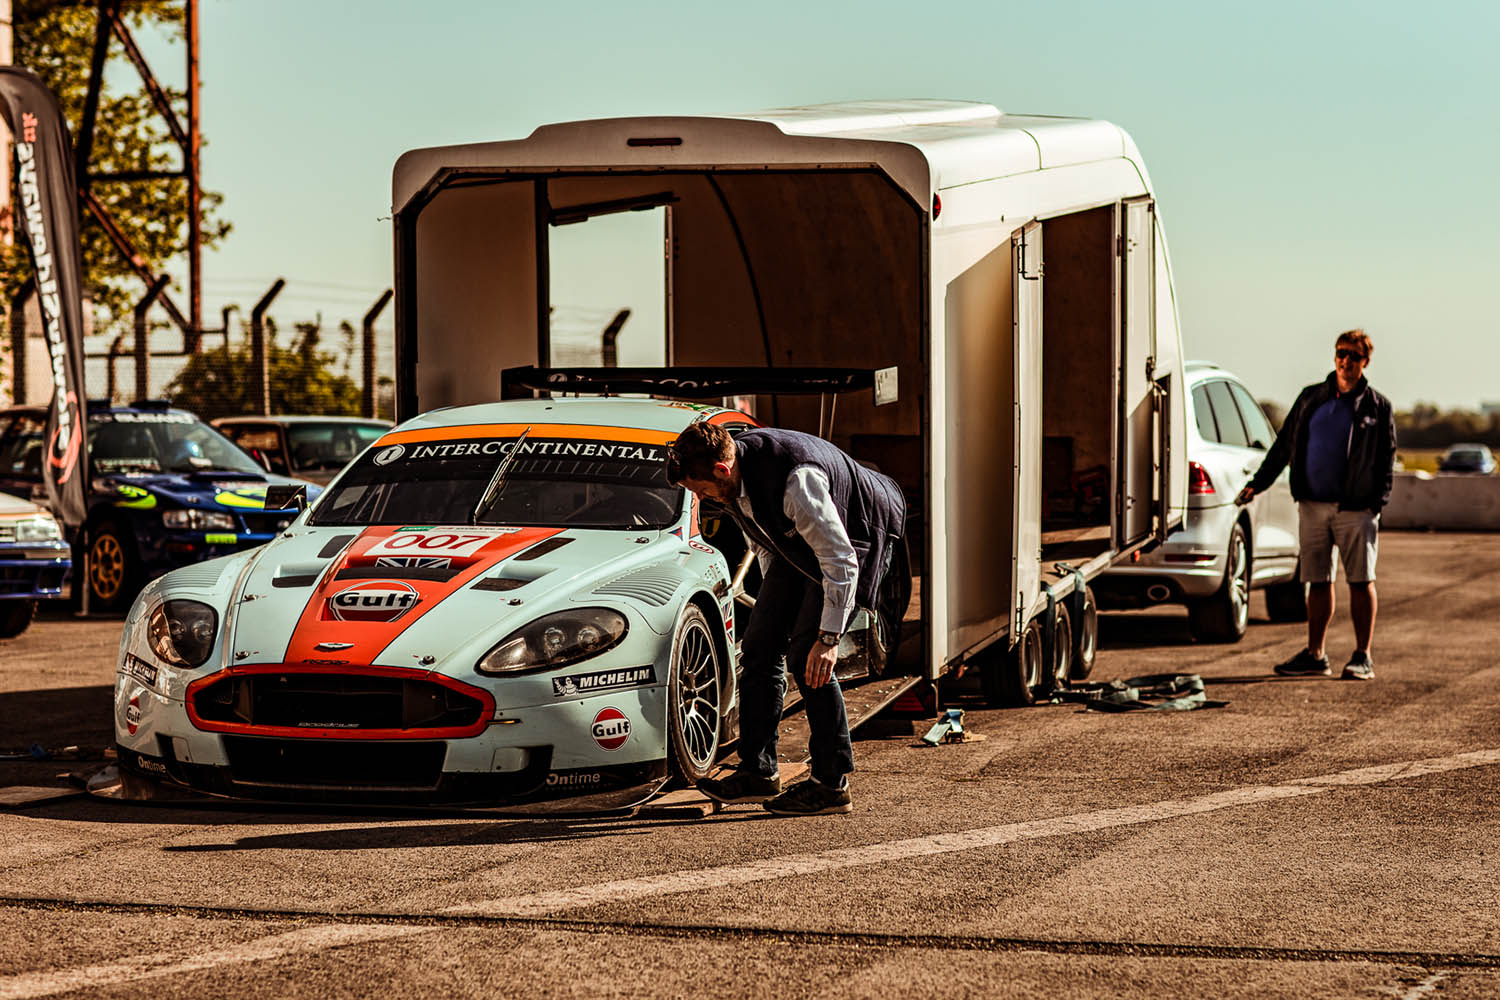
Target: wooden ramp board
x=863, y=700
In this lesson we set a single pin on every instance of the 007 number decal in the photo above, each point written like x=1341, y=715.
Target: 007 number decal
x=444, y=543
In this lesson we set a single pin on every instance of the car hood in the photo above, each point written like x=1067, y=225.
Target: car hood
x=204, y=490
x=438, y=597
x=13, y=506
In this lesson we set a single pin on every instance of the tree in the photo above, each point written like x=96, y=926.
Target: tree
x=221, y=382
x=55, y=40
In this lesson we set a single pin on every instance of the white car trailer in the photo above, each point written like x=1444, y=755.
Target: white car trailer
x=1011, y=269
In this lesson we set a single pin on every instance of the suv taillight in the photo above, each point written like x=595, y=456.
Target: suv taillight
x=1198, y=482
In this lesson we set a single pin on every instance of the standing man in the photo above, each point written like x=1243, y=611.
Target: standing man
x=1340, y=437
x=823, y=528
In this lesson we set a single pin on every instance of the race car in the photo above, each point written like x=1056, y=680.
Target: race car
x=499, y=605
x=167, y=490
x=34, y=562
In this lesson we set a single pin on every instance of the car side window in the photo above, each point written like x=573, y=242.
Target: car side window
x=260, y=441
x=1261, y=434
x=1203, y=412
x=21, y=446
x=1231, y=428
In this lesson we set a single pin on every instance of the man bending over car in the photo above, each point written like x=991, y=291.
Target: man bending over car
x=823, y=529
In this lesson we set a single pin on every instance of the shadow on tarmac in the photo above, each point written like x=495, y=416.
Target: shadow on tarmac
x=466, y=834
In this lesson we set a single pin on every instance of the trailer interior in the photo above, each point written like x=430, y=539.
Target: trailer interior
x=800, y=267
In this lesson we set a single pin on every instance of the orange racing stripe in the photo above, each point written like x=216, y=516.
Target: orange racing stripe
x=583, y=431
x=370, y=638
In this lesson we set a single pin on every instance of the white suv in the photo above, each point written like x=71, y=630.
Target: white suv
x=1223, y=551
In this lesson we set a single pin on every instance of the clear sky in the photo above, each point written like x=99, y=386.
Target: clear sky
x=1318, y=165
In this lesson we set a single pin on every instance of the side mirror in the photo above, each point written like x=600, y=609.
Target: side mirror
x=286, y=497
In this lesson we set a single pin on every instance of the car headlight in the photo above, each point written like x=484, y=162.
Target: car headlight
x=555, y=640
x=197, y=520
x=41, y=528
x=182, y=632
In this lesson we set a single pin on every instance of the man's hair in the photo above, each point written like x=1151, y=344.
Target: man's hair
x=1356, y=338
x=697, y=450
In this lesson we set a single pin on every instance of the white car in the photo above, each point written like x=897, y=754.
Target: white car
x=1223, y=551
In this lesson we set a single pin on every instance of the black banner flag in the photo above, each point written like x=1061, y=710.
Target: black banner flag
x=47, y=207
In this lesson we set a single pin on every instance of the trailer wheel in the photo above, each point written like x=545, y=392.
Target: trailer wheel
x=1017, y=676
x=1062, y=650
x=1085, y=637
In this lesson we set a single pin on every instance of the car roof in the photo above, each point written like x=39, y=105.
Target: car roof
x=1202, y=371
x=300, y=418
x=613, y=411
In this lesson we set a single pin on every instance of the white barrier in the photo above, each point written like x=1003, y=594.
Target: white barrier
x=1445, y=501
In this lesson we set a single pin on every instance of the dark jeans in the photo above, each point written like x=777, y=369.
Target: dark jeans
x=782, y=628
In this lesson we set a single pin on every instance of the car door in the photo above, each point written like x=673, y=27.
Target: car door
x=1276, y=524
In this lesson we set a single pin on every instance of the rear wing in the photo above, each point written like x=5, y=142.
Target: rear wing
x=713, y=382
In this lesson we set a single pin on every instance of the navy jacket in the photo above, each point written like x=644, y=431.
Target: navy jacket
x=1372, y=447
x=870, y=504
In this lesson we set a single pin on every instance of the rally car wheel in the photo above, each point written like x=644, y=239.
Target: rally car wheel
x=15, y=616
x=111, y=573
x=694, y=697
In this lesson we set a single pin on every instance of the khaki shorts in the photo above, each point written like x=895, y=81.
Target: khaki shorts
x=1322, y=527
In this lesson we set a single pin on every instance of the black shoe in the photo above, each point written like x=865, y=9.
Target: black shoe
x=808, y=798
x=740, y=787
x=1359, y=668
x=1304, y=664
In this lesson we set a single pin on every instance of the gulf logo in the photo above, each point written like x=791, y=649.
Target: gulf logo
x=611, y=729
x=373, y=601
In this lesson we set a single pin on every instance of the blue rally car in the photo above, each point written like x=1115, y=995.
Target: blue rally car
x=167, y=490
x=34, y=561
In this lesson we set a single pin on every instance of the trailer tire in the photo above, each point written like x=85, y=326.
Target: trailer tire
x=1016, y=676
x=1085, y=637
x=1062, y=650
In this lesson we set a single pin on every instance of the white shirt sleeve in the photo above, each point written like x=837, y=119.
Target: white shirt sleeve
x=762, y=557
x=810, y=507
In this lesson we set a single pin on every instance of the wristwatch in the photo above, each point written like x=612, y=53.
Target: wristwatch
x=829, y=638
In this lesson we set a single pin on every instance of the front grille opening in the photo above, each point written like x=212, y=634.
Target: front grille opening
x=348, y=764
x=336, y=701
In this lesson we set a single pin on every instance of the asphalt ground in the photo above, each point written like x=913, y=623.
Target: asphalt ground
x=1315, y=837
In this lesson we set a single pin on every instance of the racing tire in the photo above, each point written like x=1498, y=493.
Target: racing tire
x=1062, y=650
x=15, y=617
x=113, y=568
x=694, y=698
x=1224, y=617
x=1085, y=638
x=1287, y=602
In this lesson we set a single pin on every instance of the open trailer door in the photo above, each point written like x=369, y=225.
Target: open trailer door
x=1026, y=554
x=1140, y=405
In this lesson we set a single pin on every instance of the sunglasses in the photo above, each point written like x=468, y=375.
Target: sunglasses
x=1345, y=355
x=674, y=467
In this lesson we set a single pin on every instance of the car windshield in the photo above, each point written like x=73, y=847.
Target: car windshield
x=161, y=442
x=322, y=447
x=556, y=481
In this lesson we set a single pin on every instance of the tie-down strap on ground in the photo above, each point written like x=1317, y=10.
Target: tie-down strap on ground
x=1178, y=693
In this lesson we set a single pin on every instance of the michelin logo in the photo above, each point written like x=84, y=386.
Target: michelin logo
x=605, y=680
